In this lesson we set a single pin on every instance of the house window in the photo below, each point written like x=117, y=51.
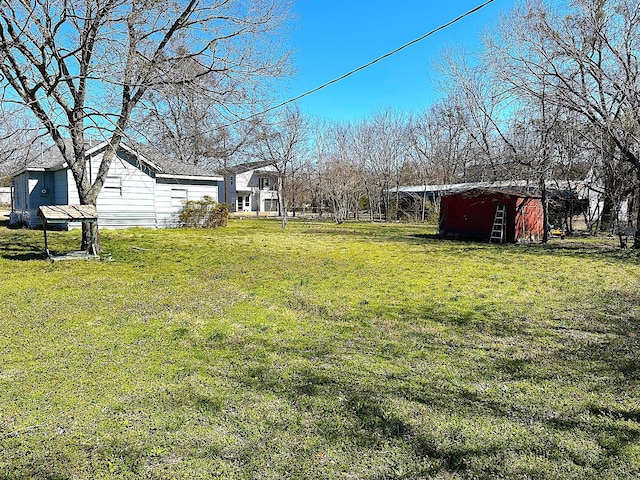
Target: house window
x=270, y=205
x=179, y=197
x=33, y=184
x=112, y=187
x=266, y=183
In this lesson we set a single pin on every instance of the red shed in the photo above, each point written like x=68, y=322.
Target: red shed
x=475, y=215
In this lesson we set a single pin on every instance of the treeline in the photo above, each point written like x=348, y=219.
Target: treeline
x=553, y=95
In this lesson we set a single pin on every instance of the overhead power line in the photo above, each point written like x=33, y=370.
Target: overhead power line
x=366, y=65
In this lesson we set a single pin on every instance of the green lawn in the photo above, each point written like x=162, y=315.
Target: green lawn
x=349, y=352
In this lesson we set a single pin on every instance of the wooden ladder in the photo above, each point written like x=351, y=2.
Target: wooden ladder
x=499, y=224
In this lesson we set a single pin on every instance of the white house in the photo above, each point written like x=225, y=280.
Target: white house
x=251, y=187
x=137, y=191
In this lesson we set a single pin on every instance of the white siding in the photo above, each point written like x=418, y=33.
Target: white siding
x=268, y=200
x=5, y=195
x=243, y=180
x=127, y=200
x=171, y=195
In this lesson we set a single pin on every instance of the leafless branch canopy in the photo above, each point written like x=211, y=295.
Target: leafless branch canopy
x=88, y=68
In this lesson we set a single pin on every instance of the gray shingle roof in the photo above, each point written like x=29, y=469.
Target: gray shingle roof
x=50, y=158
x=245, y=167
x=169, y=166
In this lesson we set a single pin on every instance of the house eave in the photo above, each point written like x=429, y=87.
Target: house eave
x=62, y=166
x=189, y=177
x=127, y=149
x=25, y=170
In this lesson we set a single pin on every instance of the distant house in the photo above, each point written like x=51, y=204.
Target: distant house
x=471, y=214
x=251, y=187
x=137, y=191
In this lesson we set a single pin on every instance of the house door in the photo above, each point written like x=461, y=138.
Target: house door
x=244, y=203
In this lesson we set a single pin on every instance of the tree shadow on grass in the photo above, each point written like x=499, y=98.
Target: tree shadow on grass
x=361, y=410
x=30, y=464
x=568, y=248
x=21, y=244
x=21, y=251
x=587, y=359
x=23, y=257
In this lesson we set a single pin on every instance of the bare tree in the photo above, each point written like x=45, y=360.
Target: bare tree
x=340, y=174
x=381, y=146
x=450, y=140
x=583, y=57
x=19, y=139
x=283, y=143
x=182, y=125
x=438, y=146
x=485, y=101
x=87, y=67
x=356, y=146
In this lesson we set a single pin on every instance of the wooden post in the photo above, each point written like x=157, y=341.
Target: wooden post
x=92, y=248
x=46, y=245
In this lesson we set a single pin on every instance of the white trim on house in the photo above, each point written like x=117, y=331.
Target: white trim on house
x=25, y=169
x=126, y=148
x=190, y=177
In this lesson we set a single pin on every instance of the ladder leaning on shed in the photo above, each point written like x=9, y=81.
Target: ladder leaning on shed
x=499, y=225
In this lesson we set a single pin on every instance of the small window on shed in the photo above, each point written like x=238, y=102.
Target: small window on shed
x=179, y=197
x=112, y=187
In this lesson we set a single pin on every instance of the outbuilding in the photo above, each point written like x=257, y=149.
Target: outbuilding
x=491, y=214
x=137, y=192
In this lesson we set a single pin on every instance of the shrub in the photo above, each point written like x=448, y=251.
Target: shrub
x=205, y=213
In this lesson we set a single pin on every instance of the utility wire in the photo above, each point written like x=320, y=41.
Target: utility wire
x=367, y=65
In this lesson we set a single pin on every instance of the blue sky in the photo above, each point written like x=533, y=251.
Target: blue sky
x=333, y=37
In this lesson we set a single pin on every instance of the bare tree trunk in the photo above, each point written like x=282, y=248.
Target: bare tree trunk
x=636, y=236
x=91, y=238
x=371, y=206
x=281, y=201
x=545, y=210
x=88, y=196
